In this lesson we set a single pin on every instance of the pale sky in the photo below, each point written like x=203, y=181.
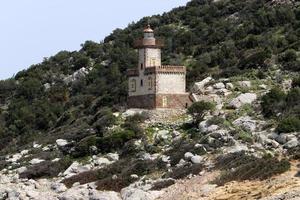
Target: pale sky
x=33, y=29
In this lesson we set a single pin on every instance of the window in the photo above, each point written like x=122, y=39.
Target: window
x=164, y=101
x=133, y=85
x=142, y=66
x=150, y=83
x=152, y=62
x=142, y=82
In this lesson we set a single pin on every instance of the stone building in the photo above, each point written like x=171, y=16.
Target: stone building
x=153, y=85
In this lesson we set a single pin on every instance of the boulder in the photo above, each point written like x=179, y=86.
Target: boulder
x=245, y=84
x=212, y=128
x=197, y=159
x=219, y=85
x=188, y=155
x=246, y=123
x=21, y=170
x=139, y=194
x=199, y=86
x=58, y=187
x=82, y=72
x=33, y=194
x=291, y=144
x=100, y=161
x=162, y=135
x=36, y=161
x=98, y=195
x=112, y=156
x=242, y=99
x=229, y=86
x=76, y=168
x=61, y=142
x=219, y=134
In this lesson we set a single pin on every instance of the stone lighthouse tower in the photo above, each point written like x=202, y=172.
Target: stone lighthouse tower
x=152, y=85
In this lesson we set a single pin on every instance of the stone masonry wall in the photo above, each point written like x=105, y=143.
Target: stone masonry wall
x=170, y=83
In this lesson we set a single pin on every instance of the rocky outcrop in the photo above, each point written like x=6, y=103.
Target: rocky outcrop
x=242, y=99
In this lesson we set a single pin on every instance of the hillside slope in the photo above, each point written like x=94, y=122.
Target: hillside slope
x=66, y=133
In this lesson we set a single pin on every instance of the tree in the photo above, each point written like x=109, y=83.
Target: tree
x=198, y=110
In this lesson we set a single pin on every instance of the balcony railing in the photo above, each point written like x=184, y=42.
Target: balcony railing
x=132, y=72
x=159, y=43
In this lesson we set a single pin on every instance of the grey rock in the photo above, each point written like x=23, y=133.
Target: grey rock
x=197, y=159
x=245, y=84
x=36, y=161
x=61, y=142
x=229, y=86
x=139, y=194
x=242, y=99
x=291, y=144
x=199, y=86
x=188, y=156
x=212, y=128
x=219, y=85
x=58, y=187
x=246, y=123
x=282, y=139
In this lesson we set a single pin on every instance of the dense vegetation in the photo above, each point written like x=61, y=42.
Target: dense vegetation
x=220, y=38
x=285, y=107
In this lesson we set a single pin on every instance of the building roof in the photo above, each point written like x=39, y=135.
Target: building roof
x=148, y=29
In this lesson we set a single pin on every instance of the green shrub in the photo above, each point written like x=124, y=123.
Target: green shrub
x=240, y=166
x=46, y=169
x=244, y=136
x=137, y=118
x=123, y=169
x=289, y=124
x=83, y=147
x=115, y=140
x=296, y=82
x=273, y=102
x=198, y=110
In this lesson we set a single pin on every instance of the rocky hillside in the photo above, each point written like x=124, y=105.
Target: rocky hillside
x=235, y=152
x=66, y=133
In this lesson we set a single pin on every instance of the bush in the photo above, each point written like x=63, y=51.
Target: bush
x=184, y=171
x=46, y=169
x=199, y=109
x=289, y=124
x=273, y=102
x=83, y=148
x=137, y=118
x=123, y=169
x=296, y=82
x=240, y=166
x=115, y=141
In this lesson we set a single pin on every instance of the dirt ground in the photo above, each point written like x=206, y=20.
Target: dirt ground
x=200, y=188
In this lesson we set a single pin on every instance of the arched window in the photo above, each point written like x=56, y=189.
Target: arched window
x=142, y=66
x=133, y=85
x=142, y=82
x=150, y=83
